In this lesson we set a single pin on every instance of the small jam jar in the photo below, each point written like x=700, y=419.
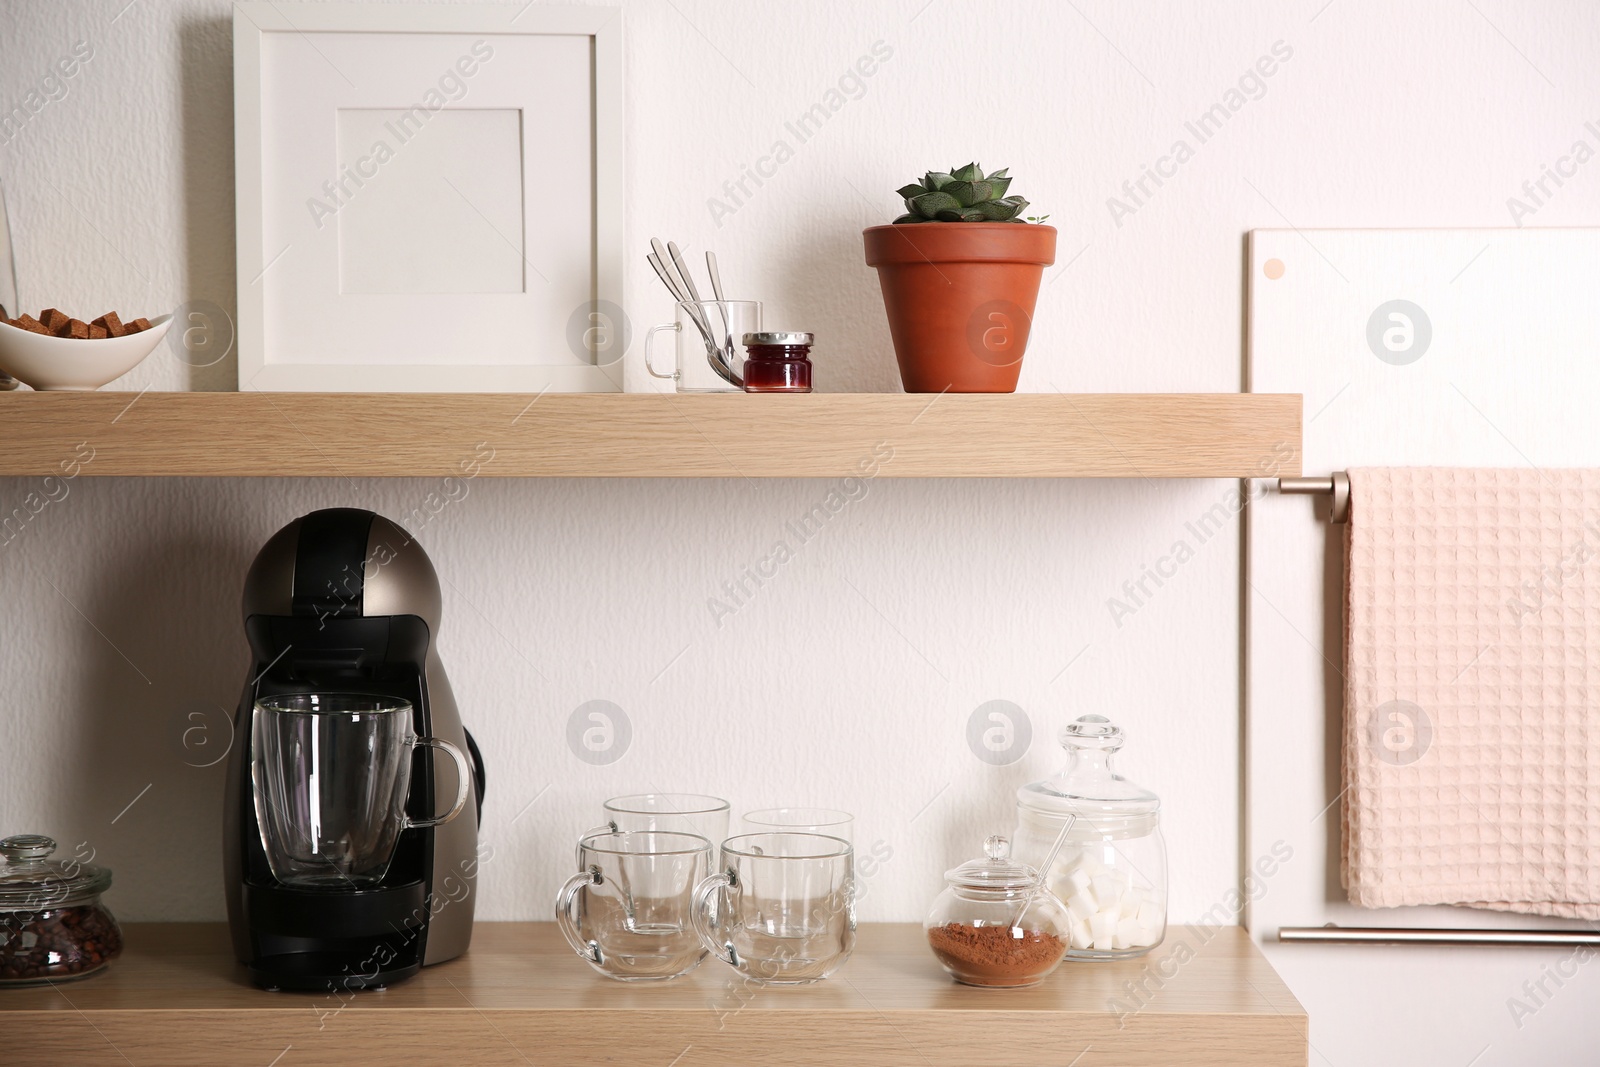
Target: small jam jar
x=778, y=363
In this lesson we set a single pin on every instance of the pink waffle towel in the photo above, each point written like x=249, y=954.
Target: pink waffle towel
x=1472, y=690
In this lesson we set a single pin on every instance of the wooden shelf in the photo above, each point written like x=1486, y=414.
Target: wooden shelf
x=1206, y=997
x=589, y=435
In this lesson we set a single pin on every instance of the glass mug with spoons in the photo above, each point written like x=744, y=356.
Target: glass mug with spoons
x=708, y=332
x=627, y=912
x=781, y=908
x=332, y=773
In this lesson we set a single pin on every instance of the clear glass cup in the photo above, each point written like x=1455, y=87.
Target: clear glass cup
x=781, y=908
x=628, y=911
x=706, y=331
x=332, y=772
x=827, y=821
x=688, y=813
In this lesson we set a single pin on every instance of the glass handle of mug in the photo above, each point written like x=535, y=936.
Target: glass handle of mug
x=705, y=927
x=649, y=339
x=604, y=828
x=463, y=787
x=567, y=919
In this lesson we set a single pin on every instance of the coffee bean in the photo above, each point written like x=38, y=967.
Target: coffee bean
x=57, y=943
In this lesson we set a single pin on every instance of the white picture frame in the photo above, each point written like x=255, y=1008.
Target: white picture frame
x=445, y=269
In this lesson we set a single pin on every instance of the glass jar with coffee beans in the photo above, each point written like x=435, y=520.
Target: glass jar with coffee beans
x=53, y=926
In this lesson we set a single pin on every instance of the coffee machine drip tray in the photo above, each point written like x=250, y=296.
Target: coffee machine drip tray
x=322, y=940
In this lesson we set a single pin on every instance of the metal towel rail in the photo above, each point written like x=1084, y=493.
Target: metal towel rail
x=1395, y=935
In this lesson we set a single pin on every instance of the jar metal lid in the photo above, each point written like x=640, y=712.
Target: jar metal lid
x=31, y=881
x=779, y=338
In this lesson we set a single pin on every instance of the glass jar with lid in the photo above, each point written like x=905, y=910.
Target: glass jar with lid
x=1111, y=871
x=52, y=924
x=779, y=362
x=995, y=924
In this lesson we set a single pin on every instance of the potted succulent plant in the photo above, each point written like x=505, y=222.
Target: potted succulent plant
x=960, y=272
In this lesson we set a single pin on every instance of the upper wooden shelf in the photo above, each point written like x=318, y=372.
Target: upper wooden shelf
x=1205, y=998
x=598, y=435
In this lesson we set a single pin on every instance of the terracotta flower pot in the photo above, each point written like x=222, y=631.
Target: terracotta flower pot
x=960, y=297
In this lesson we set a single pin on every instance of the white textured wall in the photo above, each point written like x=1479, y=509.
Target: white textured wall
x=849, y=680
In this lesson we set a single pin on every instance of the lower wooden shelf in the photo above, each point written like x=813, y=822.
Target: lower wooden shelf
x=1206, y=997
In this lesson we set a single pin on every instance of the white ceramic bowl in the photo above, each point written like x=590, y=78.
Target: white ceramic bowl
x=64, y=363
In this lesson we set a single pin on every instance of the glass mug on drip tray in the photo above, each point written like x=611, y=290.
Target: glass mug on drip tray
x=331, y=775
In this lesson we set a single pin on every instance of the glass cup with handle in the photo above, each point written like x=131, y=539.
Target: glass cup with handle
x=707, y=331
x=781, y=907
x=629, y=911
x=332, y=773
x=690, y=813
x=829, y=821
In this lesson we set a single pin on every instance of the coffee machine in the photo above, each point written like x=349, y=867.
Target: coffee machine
x=345, y=601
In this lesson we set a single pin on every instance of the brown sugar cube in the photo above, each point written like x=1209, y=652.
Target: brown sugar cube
x=76, y=329
x=97, y=333
x=138, y=325
x=31, y=324
x=53, y=320
x=110, y=324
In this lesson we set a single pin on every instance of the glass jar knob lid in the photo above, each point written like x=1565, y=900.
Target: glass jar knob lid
x=19, y=848
x=29, y=878
x=996, y=870
x=1088, y=785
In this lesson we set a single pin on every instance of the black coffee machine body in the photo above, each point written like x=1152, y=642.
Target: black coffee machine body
x=345, y=601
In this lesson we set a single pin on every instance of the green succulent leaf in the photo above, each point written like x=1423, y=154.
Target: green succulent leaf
x=933, y=205
x=962, y=195
x=970, y=193
x=998, y=211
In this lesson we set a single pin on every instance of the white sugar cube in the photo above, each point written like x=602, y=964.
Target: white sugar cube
x=1082, y=906
x=1129, y=906
x=1129, y=934
x=1077, y=880
x=1102, y=928
x=1082, y=936
x=1107, y=889
x=1150, y=915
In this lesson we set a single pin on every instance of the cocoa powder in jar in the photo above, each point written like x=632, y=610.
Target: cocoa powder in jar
x=996, y=955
